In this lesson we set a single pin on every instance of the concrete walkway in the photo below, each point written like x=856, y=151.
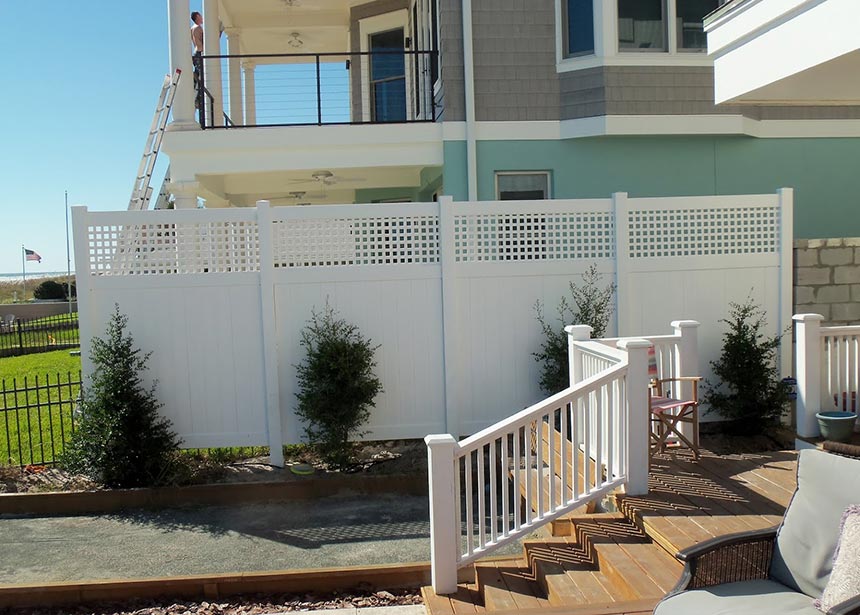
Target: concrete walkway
x=338, y=531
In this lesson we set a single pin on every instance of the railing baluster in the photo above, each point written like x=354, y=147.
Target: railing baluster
x=539, y=460
x=505, y=484
x=470, y=518
x=563, y=413
x=577, y=424
x=517, y=475
x=529, y=444
x=493, y=492
x=482, y=510
x=458, y=499
x=550, y=427
x=598, y=424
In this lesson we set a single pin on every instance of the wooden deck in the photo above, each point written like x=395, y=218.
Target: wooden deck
x=622, y=563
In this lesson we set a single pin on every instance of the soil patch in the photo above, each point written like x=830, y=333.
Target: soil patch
x=725, y=443
x=393, y=457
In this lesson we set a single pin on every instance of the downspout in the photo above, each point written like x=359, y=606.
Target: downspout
x=469, y=91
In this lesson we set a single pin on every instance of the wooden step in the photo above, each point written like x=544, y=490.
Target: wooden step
x=636, y=607
x=507, y=586
x=566, y=573
x=635, y=567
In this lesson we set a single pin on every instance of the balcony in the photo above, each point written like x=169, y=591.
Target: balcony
x=390, y=85
x=785, y=52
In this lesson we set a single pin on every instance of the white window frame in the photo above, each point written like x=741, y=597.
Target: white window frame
x=548, y=175
x=606, y=51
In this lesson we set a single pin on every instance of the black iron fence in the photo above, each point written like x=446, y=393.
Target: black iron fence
x=19, y=337
x=303, y=89
x=37, y=416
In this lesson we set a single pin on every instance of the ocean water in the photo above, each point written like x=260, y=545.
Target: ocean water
x=16, y=277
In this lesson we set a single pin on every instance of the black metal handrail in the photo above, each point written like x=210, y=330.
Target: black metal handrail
x=333, y=88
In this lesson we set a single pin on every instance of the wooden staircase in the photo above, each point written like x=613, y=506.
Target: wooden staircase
x=588, y=563
x=606, y=564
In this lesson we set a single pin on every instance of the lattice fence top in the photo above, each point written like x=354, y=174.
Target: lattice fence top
x=707, y=231
x=534, y=236
x=162, y=249
x=378, y=240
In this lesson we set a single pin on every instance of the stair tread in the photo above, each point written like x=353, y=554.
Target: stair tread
x=630, y=607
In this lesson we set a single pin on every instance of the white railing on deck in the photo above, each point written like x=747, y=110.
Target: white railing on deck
x=565, y=451
x=828, y=370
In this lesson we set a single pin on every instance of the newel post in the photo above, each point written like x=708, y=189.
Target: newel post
x=808, y=366
x=638, y=423
x=576, y=333
x=444, y=525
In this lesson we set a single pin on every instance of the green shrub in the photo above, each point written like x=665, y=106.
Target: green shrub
x=120, y=439
x=337, y=386
x=750, y=391
x=50, y=289
x=589, y=305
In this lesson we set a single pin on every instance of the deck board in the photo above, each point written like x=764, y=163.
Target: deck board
x=692, y=501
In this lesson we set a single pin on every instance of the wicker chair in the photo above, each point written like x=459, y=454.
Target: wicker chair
x=780, y=570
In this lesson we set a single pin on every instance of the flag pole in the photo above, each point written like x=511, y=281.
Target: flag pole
x=68, y=259
x=24, y=272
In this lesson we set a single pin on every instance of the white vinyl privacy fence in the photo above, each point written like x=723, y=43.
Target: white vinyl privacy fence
x=447, y=289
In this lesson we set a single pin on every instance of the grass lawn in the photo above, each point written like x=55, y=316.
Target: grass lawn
x=33, y=417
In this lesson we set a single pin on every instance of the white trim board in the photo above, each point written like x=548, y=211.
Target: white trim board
x=620, y=125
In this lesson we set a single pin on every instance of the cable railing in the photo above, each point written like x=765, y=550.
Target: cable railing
x=307, y=89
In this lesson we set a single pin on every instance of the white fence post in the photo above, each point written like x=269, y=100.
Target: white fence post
x=638, y=421
x=786, y=274
x=687, y=362
x=620, y=209
x=808, y=360
x=576, y=333
x=447, y=256
x=270, y=334
x=81, y=241
x=444, y=527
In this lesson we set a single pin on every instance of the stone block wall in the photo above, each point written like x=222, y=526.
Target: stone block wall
x=827, y=279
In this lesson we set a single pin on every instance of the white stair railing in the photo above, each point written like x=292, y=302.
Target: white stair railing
x=568, y=450
x=828, y=370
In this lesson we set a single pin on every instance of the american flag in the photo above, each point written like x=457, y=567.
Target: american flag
x=30, y=255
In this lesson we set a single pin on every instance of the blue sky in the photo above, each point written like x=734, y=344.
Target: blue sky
x=80, y=84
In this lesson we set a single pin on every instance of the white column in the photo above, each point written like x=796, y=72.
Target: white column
x=638, y=421
x=185, y=193
x=250, y=93
x=687, y=363
x=179, y=29
x=444, y=527
x=451, y=340
x=212, y=69
x=81, y=241
x=235, y=68
x=786, y=273
x=575, y=333
x=808, y=365
x=274, y=427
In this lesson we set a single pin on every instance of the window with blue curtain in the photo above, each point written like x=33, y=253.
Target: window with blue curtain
x=580, y=27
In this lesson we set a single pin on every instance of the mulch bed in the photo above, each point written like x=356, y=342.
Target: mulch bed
x=236, y=605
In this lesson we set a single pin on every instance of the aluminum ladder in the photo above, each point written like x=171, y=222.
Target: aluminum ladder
x=142, y=191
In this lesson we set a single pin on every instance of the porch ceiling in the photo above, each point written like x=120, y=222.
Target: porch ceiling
x=293, y=187
x=267, y=26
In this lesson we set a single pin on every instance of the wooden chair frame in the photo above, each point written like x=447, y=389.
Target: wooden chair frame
x=667, y=414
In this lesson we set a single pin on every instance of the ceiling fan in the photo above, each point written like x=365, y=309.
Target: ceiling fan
x=326, y=178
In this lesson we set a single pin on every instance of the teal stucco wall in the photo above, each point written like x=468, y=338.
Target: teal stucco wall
x=825, y=173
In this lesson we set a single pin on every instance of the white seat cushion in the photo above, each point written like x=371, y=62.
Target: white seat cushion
x=745, y=598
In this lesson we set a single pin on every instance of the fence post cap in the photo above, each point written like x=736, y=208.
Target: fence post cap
x=440, y=440
x=263, y=204
x=685, y=324
x=633, y=343
x=578, y=329
x=807, y=317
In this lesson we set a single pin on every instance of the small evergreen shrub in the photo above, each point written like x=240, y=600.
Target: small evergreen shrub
x=120, y=440
x=589, y=305
x=337, y=386
x=50, y=289
x=750, y=391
